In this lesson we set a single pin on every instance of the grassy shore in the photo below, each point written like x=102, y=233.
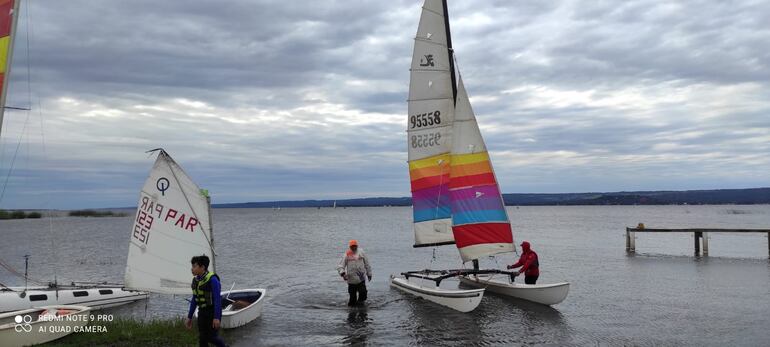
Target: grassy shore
x=19, y=214
x=128, y=332
x=94, y=213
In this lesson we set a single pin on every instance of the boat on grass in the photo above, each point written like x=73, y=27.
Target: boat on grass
x=42, y=324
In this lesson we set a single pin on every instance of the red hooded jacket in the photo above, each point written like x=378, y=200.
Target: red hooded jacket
x=530, y=266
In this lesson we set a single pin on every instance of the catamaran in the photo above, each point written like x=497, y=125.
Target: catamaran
x=94, y=295
x=173, y=223
x=455, y=195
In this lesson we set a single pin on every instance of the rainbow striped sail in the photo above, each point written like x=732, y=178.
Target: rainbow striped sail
x=479, y=221
x=455, y=195
x=8, y=10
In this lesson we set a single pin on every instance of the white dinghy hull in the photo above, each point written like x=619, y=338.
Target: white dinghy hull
x=94, y=297
x=242, y=307
x=546, y=294
x=457, y=299
x=38, y=325
x=233, y=317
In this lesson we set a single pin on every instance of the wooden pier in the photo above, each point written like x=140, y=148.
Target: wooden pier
x=700, y=236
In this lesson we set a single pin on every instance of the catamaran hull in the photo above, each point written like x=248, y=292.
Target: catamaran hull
x=546, y=294
x=232, y=317
x=33, y=330
x=460, y=300
x=94, y=297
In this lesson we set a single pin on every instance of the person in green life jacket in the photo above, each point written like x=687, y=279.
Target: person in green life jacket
x=207, y=298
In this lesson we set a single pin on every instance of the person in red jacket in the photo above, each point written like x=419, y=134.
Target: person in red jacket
x=530, y=266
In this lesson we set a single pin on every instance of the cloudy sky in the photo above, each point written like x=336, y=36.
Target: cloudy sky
x=283, y=100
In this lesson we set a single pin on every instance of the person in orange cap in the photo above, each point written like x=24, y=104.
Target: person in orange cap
x=354, y=268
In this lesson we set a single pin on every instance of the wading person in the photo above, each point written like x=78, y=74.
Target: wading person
x=207, y=297
x=530, y=266
x=355, y=269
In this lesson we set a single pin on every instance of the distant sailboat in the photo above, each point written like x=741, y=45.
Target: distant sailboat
x=173, y=224
x=93, y=295
x=455, y=195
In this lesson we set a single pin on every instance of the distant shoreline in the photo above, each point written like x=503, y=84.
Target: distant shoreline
x=750, y=196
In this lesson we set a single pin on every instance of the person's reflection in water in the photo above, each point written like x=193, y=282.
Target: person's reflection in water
x=358, y=321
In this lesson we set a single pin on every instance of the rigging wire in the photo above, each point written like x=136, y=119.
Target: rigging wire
x=20, y=274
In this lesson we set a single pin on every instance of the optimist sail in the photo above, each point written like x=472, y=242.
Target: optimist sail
x=429, y=134
x=9, y=10
x=171, y=226
x=479, y=221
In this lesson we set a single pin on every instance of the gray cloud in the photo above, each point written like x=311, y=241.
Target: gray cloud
x=264, y=100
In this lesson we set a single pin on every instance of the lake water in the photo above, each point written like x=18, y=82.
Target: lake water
x=662, y=295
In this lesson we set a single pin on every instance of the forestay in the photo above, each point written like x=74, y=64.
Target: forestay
x=171, y=226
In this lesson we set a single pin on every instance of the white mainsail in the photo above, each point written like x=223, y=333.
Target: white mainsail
x=431, y=114
x=171, y=226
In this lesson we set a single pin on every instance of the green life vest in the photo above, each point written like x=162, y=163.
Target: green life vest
x=202, y=290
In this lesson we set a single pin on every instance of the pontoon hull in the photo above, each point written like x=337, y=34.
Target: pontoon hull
x=546, y=294
x=457, y=299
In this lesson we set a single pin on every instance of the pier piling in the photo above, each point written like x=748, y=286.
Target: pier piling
x=700, y=236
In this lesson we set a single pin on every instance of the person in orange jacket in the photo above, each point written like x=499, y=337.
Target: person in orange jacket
x=530, y=266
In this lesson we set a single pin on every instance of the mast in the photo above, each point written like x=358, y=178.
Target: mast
x=6, y=72
x=211, y=230
x=451, y=52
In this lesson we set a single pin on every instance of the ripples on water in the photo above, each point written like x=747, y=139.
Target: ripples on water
x=662, y=295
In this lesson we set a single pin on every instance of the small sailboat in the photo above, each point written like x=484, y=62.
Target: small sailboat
x=95, y=295
x=173, y=224
x=455, y=195
x=43, y=324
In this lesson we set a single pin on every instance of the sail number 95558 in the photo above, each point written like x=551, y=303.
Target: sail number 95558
x=425, y=140
x=425, y=119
